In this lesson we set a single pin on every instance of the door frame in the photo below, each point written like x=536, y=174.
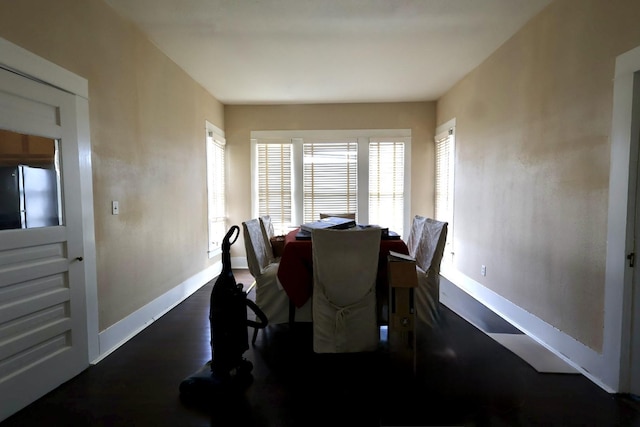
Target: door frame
x=623, y=197
x=20, y=61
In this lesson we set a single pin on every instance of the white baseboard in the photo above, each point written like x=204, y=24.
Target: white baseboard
x=121, y=332
x=239, y=262
x=586, y=360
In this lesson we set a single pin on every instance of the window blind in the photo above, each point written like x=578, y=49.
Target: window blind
x=330, y=178
x=386, y=184
x=274, y=183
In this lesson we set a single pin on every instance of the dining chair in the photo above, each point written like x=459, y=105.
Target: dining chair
x=345, y=265
x=339, y=215
x=270, y=297
x=268, y=232
x=415, y=234
x=428, y=255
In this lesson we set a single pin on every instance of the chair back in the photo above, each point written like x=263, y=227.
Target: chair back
x=345, y=267
x=257, y=256
x=428, y=258
x=415, y=234
x=338, y=215
x=268, y=232
x=431, y=245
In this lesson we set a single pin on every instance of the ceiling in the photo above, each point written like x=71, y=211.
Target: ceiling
x=328, y=51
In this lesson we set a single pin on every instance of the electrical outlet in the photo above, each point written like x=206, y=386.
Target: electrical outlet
x=115, y=207
x=483, y=270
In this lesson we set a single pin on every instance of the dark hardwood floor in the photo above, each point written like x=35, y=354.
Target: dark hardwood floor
x=463, y=378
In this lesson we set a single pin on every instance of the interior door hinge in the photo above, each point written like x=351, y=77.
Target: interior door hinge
x=631, y=257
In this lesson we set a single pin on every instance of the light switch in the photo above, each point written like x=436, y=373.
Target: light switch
x=115, y=207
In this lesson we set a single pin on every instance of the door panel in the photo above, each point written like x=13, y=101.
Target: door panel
x=43, y=330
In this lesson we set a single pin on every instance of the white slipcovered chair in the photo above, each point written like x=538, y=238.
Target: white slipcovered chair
x=268, y=232
x=270, y=297
x=345, y=266
x=428, y=255
x=415, y=234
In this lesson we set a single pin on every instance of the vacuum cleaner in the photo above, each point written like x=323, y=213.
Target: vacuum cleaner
x=227, y=369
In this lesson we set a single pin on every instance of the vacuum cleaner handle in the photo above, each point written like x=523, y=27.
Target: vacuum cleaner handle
x=226, y=241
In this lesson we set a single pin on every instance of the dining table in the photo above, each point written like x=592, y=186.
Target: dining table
x=295, y=272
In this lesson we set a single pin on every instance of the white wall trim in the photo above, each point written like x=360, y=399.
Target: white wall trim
x=213, y=128
x=88, y=226
x=446, y=126
x=581, y=357
x=121, y=332
x=17, y=59
x=340, y=133
x=239, y=262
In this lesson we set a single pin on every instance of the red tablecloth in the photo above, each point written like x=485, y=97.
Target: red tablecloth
x=296, y=266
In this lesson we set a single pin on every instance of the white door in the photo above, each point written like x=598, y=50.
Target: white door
x=43, y=319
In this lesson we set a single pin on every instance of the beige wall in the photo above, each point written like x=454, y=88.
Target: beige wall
x=241, y=120
x=532, y=162
x=147, y=123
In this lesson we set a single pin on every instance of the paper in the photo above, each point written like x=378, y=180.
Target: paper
x=402, y=257
x=330, y=222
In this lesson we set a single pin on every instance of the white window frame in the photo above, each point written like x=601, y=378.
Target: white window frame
x=216, y=187
x=446, y=133
x=363, y=137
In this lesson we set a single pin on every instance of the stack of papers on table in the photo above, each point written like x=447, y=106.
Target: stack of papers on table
x=397, y=256
x=333, y=222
